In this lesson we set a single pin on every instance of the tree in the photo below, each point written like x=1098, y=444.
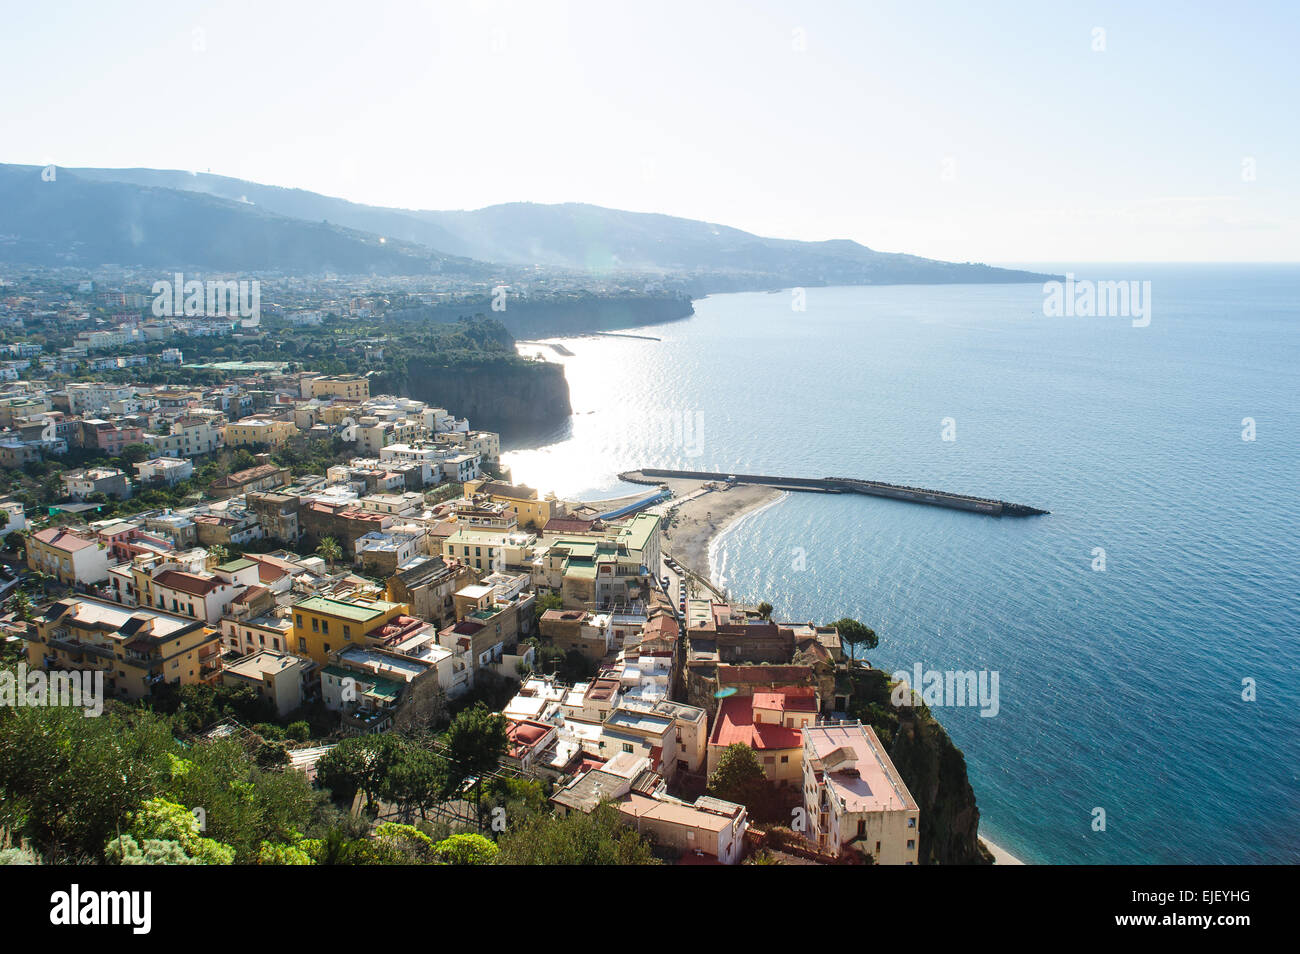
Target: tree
x=21, y=604
x=601, y=838
x=218, y=553
x=329, y=551
x=739, y=776
x=856, y=634
x=764, y=610
x=548, y=602
x=476, y=741
x=466, y=849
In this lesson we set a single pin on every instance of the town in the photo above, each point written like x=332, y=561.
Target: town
x=186, y=542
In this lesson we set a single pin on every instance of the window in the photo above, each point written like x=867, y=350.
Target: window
x=315, y=625
x=325, y=626
x=911, y=823
x=627, y=747
x=347, y=631
x=862, y=829
x=910, y=844
x=302, y=644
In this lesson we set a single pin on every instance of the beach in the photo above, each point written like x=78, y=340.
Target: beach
x=1000, y=855
x=695, y=522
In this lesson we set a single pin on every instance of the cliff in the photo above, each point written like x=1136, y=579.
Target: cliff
x=555, y=315
x=517, y=399
x=932, y=767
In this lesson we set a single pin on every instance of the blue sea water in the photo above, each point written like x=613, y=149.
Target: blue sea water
x=1119, y=689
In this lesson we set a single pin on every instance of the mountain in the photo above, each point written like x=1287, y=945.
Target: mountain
x=582, y=237
x=82, y=220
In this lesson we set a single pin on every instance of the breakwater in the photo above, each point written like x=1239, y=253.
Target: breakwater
x=873, y=488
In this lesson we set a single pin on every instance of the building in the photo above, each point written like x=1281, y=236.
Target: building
x=711, y=829
x=277, y=677
x=136, y=648
x=188, y=436
x=168, y=471
x=770, y=723
x=265, y=476
x=377, y=689
x=854, y=798
x=71, y=556
x=109, y=481
x=251, y=431
x=588, y=633
x=352, y=387
x=323, y=625
x=529, y=504
x=428, y=586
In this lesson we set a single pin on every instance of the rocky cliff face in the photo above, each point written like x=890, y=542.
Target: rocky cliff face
x=517, y=399
x=932, y=767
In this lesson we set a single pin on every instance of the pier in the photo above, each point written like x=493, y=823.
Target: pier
x=840, y=485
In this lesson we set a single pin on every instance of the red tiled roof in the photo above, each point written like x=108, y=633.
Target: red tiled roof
x=62, y=538
x=735, y=723
x=187, y=582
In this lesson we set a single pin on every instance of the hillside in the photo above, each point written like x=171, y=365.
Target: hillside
x=588, y=237
x=83, y=221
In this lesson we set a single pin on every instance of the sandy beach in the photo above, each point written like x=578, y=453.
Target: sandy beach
x=1000, y=855
x=695, y=522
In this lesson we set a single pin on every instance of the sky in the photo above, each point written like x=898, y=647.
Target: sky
x=1002, y=132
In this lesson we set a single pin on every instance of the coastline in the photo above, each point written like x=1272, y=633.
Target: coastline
x=1000, y=855
x=697, y=521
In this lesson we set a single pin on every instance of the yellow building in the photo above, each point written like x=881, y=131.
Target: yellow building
x=529, y=504
x=259, y=430
x=323, y=625
x=353, y=386
x=135, y=647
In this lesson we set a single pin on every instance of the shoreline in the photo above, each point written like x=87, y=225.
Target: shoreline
x=1000, y=855
x=697, y=521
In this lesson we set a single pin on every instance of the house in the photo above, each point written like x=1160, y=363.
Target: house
x=71, y=556
x=354, y=387
x=377, y=689
x=770, y=723
x=249, y=431
x=164, y=470
x=324, y=625
x=135, y=648
x=589, y=633
x=265, y=476
x=428, y=585
x=109, y=481
x=710, y=829
x=854, y=799
x=532, y=508
x=277, y=677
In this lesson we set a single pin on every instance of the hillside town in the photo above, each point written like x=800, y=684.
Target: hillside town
x=183, y=539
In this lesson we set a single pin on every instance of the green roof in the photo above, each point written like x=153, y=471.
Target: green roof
x=358, y=612
x=234, y=565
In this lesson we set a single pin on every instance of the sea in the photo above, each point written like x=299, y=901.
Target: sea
x=1145, y=634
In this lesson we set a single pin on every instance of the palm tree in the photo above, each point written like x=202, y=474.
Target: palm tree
x=329, y=551
x=218, y=553
x=21, y=604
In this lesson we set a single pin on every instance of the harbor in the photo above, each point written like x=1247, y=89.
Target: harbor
x=935, y=498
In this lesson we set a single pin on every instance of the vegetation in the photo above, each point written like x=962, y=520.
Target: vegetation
x=600, y=838
x=856, y=635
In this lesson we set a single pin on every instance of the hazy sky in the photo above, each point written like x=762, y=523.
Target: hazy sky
x=988, y=132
